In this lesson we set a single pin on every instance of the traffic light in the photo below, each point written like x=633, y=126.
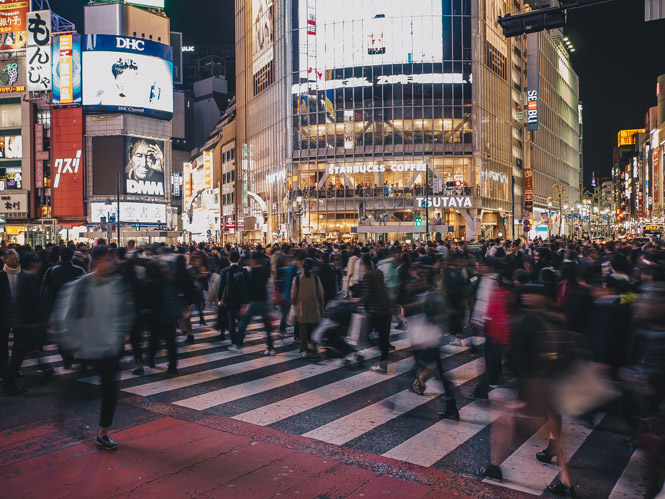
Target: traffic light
x=419, y=222
x=505, y=221
x=137, y=226
x=532, y=22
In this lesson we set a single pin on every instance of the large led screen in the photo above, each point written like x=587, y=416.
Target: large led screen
x=348, y=33
x=127, y=74
x=144, y=166
x=66, y=57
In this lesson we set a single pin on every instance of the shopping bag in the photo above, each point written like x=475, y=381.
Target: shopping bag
x=583, y=389
x=423, y=333
x=359, y=329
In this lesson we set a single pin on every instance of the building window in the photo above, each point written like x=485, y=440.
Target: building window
x=10, y=116
x=43, y=117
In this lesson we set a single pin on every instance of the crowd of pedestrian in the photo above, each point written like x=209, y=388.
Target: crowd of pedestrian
x=547, y=316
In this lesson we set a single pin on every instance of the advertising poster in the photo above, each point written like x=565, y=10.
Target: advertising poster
x=13, y=33
x=129, y=74
x=144, y=166
x=66, y=55
x=38, y=53
x=348, y=33
x=149, y=213
x=67, y=163
x=263, y=38
x=11, y=147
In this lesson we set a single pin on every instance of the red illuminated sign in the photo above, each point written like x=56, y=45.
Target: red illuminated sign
x=67, y=165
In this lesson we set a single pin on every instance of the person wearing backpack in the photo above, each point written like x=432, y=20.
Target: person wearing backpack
x=233, y=282
x=307, y=297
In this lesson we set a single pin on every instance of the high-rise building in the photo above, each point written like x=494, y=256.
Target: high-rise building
x=356, y=119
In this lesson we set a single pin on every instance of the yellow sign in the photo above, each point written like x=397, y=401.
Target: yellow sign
x=207, y=165
x=15, y=231
x=66, y=79
x=653, y=227
x=627, y=137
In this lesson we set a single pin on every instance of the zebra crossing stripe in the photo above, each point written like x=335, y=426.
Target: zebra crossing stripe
x=632, y=483
x=522, y=464
x=216, y=374
x=260, y=385
x=356, y=424
x=126, y=374
x=285, y=408
x=443, y=437
x=291, y=406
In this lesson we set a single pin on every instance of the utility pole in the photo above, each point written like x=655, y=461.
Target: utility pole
x=559, y=191
x=427, y=204
x=117, y=199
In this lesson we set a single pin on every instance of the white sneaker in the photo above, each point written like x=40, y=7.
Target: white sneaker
x=269, y=352
x=456, y=342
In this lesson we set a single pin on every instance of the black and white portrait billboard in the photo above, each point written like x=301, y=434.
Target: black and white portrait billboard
x=144, y=166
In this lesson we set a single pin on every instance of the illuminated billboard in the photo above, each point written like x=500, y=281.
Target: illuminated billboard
x=67, y=69
x=627, y=137
x=128, y=75
x=263, y=38
x=144, y=166
x=13, y=32
x=67, y=161
x=349, y=33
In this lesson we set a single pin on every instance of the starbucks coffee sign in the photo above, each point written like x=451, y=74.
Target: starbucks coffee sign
x=444, y=202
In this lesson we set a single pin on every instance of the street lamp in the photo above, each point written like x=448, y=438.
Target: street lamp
x=109, y=228
x=549, y=218
x=299, y=213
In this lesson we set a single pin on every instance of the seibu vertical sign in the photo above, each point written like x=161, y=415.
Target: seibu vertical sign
x=67, y=163
x=532, y=81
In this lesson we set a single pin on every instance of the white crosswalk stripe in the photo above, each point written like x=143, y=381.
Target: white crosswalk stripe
x=326, y=401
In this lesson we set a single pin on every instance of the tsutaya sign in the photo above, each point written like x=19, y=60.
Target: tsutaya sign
x=397, y=167
x=445, y=201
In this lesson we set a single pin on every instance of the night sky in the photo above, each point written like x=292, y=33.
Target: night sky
x=618, y=58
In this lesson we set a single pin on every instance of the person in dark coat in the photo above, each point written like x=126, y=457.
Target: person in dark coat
x=29, y=320
x=8, y=279
x=326, y=274
x=164, y=312
x=378, y=307
x=233, y=283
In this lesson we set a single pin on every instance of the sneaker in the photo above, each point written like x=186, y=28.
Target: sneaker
x=107, y=442
x=270, y=351
x=172, y=370
x=493, y=472
x=379, y=368
x=479, y=393
x=304, y=354
x=450, y=411
x=418, y=387
x=139, y=371
x=190, y=340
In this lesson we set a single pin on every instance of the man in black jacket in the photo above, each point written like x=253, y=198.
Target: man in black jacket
x=60, y=274
x=233, y=281
x=54, y=279
x=259, y=275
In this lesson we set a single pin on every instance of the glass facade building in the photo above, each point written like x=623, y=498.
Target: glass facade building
x=355, y=115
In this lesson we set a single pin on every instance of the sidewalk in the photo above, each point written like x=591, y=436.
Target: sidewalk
x=220, y=457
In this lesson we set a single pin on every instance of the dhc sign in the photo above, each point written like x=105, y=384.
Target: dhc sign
x=444, y=202
x=130, y=44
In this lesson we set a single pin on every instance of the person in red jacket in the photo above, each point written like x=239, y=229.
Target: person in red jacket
x=497, y=335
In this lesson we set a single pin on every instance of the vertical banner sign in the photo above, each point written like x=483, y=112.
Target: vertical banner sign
x=176, y=184
x=67, y=161
x=12, y=24
x=66, y=79
x=187, y=179
x=533, y=81
x=38, y=53
x=207, y=165
x=39, y=164
x=66, y=54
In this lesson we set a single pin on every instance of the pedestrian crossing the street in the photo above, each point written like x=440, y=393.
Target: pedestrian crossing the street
x=351, y=406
